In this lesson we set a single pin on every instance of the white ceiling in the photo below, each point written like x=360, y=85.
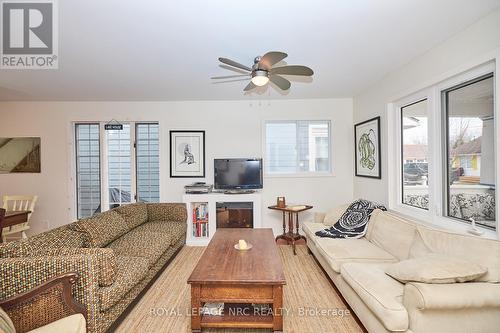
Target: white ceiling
x=168, y=50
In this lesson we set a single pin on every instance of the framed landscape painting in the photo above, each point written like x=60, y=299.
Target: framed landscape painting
x=367, y=149
x=20, y=155
x=187, y=154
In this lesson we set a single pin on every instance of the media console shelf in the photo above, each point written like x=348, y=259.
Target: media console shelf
x=202, y=213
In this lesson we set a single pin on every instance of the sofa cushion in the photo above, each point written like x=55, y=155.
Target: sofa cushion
x=392, y=233
x=340, y=251
x=130, y=271
x=435, y=268
x=6, y=324
x=167, y=212
x=104, y=257
x=175, y=229
x=484, y=252
x=101, y=229
x=334, y=214
x=137, y=243
x=71, y=324
x=381, y=293
x=134, y=214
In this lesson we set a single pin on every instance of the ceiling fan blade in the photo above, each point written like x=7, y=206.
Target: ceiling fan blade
x=270, y=58
x=227, y=81
x=281, y=82
x=234, y=64
x=229, y=76
x=233, y=69
x=292, y=70
x=250, y=86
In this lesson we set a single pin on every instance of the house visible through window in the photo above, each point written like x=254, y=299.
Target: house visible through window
x=131, y=167
x=297, y=147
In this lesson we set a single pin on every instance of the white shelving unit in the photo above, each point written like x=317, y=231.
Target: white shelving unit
x=210, y=200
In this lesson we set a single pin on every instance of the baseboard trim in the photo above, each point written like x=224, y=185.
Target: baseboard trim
x=136, y=300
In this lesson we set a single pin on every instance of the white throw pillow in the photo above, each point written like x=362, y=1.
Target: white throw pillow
x=435, y=268
x=334, y=214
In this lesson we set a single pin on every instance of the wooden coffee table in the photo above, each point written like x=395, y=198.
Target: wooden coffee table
x=239, y=279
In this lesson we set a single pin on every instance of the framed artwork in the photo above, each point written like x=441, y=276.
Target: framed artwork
x=20, y=155
x=187, y=154
x=367, y=149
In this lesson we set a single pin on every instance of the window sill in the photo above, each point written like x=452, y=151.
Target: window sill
x=425, y=218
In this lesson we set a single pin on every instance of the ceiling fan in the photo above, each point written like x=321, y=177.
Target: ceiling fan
x=262, y=71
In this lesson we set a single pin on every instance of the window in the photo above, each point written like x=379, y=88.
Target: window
x=297, y=147
x=147, y=162
x=119, y=166
x=443, y=141
x=88, y=175
x=131, y=166
x=470, y=137
x=414, y=148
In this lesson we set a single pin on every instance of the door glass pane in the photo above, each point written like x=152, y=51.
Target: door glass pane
x=119, y=166
x=88, y=175
x=414, y=153
x=471, y=152
x=147, y=163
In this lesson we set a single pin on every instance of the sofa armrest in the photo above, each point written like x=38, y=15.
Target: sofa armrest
x=167, y=212
x=44, y=304
x=18, y=275
x=319, y=217
x=425, y=296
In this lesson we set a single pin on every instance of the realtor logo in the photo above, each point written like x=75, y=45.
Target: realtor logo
x=29, y=34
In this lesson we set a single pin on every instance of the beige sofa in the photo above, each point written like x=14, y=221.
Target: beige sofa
x=357, y=268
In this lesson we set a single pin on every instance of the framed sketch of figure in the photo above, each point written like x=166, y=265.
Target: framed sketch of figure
x=187, y=154
x=367, y=148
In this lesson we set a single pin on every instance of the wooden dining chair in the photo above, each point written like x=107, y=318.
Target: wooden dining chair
x=15, y=203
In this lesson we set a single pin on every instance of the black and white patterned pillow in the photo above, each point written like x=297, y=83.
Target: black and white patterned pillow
x=353, y=222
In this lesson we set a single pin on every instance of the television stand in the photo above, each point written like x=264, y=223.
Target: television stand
x=239, y=191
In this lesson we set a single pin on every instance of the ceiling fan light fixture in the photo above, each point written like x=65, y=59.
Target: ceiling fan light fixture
x=260, y=78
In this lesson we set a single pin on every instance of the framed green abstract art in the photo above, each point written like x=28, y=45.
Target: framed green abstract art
x=367, y=149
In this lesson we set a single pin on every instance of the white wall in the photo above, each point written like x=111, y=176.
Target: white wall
x=233, y=129
x=478, y=43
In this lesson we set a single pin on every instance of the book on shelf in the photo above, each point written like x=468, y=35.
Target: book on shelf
x=200, y=220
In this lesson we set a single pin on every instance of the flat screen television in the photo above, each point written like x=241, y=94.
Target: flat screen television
x=238, y=173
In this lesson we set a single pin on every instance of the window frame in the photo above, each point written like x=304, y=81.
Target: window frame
x=445, y=140
x=436, y=215
x=401, y=159
x=301, y=174
x=136, y=125
x=103, y=160
x=75, y=160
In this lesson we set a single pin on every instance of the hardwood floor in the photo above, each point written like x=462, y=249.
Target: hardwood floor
x=165, y=307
